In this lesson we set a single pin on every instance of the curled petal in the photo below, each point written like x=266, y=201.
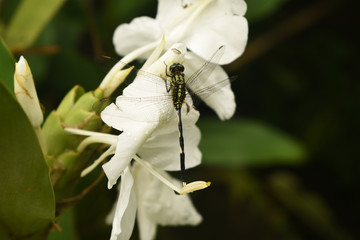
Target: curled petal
x=124, y=219
x=222, y=22
x=222, y=99
x=139, y=32
x=234, y=39
x=128, y=144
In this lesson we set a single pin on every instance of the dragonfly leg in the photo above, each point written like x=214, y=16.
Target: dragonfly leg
x=166, y=70
x=182, y=151
x=167, y=85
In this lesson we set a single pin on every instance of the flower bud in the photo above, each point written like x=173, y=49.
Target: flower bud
x=25, y=92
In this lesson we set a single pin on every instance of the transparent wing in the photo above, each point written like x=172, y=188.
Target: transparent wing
x=200, y=95
x=205, y=70
x=149, y=109
x=138, y=72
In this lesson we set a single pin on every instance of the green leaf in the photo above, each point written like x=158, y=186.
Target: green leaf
x=67, y=225
x=69, y=100
x=246, y=143
x=54, y=134
x=29, y=20
x=7, y=68
x=27, y=204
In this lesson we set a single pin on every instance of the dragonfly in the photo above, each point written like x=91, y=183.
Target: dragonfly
x=179, y=91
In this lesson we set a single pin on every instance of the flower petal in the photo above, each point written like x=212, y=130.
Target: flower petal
x=139, y=32
x=167, y=9
x=222, y=100
x=162, y=148
x=221, y=21
x=147, y=227
x=124, y=219
x=137, y=116
x=127, y=146
x=159, y=203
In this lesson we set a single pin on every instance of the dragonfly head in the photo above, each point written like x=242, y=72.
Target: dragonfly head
x=176, y=68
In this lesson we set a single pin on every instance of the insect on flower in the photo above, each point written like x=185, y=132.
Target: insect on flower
x=172, y=92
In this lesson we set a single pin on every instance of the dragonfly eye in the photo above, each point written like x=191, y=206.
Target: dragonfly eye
x=172, y=67
x=176, y=67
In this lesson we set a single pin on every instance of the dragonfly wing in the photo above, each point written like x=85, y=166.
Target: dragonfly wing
x=151, y=77
x=218, y=96
x=145, y=109
x=207, y=91
x=204, y=70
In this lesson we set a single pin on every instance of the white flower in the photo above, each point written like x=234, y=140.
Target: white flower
x=204, y=26
x=150, y=128
x=144, y=191
x=148, y=123
x=144, y=196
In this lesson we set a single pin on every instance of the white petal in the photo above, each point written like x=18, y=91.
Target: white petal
x=223, y=23
x=125, y=212
x=167, y=10
x=127, y=146
x=162, y=149
x=234, y=39
x=138, y=116
x=222, y=100
x=147, y=227
x=139, y=32
x=161, y=205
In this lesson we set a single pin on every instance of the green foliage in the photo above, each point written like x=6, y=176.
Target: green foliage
x=75, y=111
x=27, y=204
x=260, y=9
x=7, y=69
x=67, y=225
x=29, y=20
x=246, y=143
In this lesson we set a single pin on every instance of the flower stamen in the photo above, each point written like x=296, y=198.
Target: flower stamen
x=108, y=152
x=187, y=187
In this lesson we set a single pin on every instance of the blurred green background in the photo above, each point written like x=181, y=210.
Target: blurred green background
x=285, y=167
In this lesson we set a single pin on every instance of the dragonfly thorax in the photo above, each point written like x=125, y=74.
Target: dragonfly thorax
x=177, y=82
